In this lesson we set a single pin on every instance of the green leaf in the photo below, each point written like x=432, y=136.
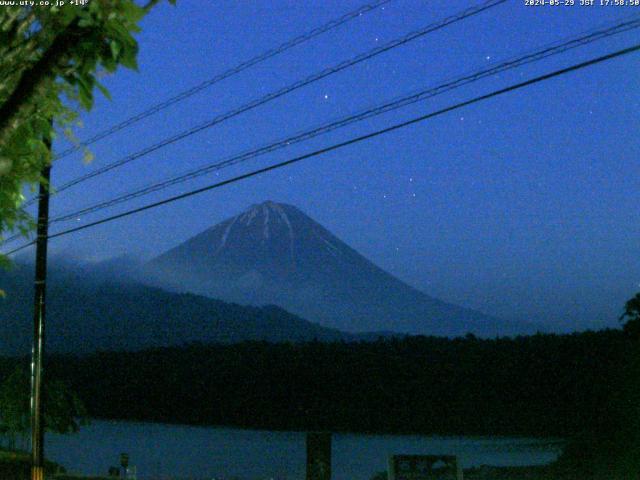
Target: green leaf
x=103, y=89
x=87, y=156
x=115, y=49
x=104, y=42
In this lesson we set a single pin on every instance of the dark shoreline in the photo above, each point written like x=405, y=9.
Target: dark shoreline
x=254, y=428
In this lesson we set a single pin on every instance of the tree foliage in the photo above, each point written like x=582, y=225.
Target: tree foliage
x=64, y=412
x=542, y=385
x=631, y=317
x=50, y=61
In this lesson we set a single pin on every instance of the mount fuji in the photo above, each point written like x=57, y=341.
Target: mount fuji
x=274, y=254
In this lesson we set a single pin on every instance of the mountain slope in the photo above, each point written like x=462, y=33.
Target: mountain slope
x=86, y=313
x=275, y=254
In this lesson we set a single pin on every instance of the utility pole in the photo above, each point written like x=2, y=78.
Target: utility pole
x=37, y=354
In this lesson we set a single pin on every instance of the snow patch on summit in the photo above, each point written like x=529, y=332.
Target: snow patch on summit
x=225, y=234
x=265, y=211
x=332, y=249
x=285, y=219
x=249, y=216
x=270, y=212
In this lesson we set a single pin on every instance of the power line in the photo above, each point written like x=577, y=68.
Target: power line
x=226, y=74
x=352, y=141
x=471, y=11
x=553, y=49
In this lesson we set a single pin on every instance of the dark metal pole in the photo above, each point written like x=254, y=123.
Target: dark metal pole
x=318, y=456
x=37, y=417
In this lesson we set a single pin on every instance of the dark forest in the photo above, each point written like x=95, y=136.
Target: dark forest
x=542, y=385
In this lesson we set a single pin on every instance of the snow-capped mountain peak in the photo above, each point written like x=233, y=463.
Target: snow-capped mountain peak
x=273, y=253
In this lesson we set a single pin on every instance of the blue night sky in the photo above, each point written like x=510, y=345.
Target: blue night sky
x=524, y=206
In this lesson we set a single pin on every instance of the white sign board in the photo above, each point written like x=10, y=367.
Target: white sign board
x=424, y=467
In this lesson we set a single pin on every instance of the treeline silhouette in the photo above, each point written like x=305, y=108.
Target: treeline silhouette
x=541, y=385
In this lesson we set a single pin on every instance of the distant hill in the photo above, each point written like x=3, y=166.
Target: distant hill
x=88, y=312
x=273, y=253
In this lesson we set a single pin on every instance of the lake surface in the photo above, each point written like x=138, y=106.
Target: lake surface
x=183, y=452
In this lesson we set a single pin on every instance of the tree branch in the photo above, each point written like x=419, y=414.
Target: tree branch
x=149, y=5
x=34, y=77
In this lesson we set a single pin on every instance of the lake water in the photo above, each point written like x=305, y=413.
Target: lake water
x=182, y=452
